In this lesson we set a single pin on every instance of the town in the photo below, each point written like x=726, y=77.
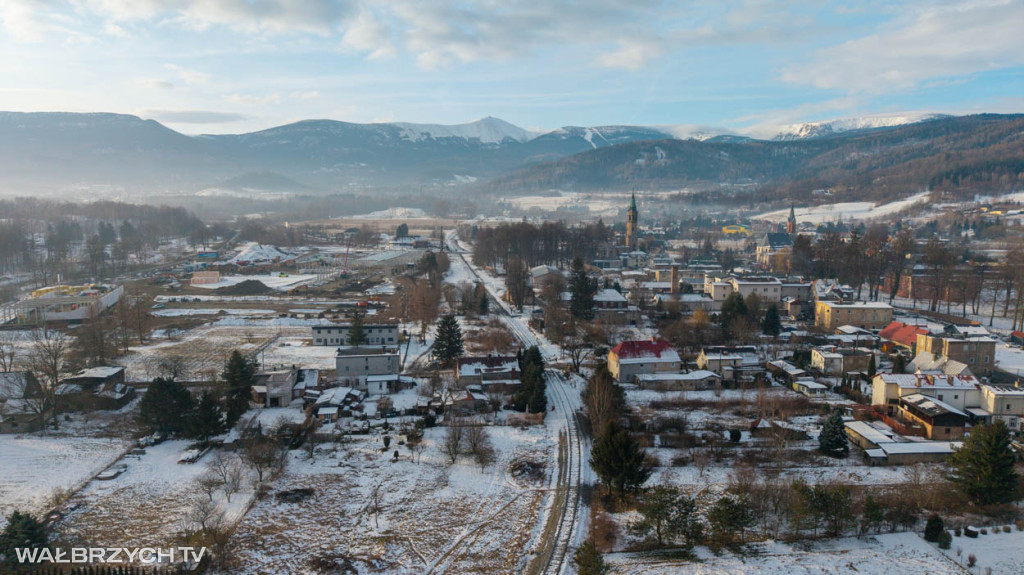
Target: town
x=450, y=394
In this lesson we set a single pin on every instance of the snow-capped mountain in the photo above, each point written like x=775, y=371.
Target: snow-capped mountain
x=697, y=132
x=488, y=130
x=830, y=127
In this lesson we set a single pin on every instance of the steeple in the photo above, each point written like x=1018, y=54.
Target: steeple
x=632, y=202
x=632, y=221
x=791, y=222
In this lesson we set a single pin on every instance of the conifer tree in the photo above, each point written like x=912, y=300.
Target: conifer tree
x=164, y=405
x=619, y=461
x=983, y=466
x=356, y=335
x=589, y=561
x=582, y=288
x=833, y=441
x=22, y=531
x=772, y=324
x=206, y=419
x=239, y=376
x=448, y=344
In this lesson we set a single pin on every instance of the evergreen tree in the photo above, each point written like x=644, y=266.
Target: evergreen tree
x=22, y=531
x=729, y=517
x=539, y=397
x=899, y=364
x=402, y=231
x=619, y=461
x=239, y=376
x=532, y=392
x=934, y=529
x=163, y=407
x=983, y=466
x=482, y=301
x=772, y=324
x=872, y=366
x=356, y=335
x=669, y=515
x=206, y=419
x=732, y=308
x=448, y=342
x=833, y=441
x=589, y=561
x=582, y=288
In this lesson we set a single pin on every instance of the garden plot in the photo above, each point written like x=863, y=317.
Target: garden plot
x=430, y=518
x=148, y=504
x=34, y=468
x=205, y=349
x=998, y=550
x=896, y=554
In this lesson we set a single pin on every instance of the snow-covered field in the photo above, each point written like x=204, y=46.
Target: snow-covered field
x=598, y=204
x=845, y=210
x=33, y=467
x=178, y=312
x=298, y=350
x=148, y=504
x=892, y=554
x=255, y=253
x=428, y=518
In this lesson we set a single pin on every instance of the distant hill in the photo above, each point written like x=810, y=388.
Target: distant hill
x=980, y=152
x=871, y=156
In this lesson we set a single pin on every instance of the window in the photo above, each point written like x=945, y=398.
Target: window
x=947, y=431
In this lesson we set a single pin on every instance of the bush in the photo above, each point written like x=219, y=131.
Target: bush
x=970, y=532
x=934, y=529
x=972, y=560
x=945, y=540
x=1020, y=524
x=1007, y=529
x=958, y=532
x=984, y=531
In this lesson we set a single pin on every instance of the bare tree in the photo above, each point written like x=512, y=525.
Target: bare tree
x=235, y=477
x=453, y=438
x=209, y=483
x=47, y=358
x=173, y=367
x=7, y=351
x=376, y=504
x=262, y=455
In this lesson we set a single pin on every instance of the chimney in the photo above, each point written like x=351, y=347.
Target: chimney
x=674, y=279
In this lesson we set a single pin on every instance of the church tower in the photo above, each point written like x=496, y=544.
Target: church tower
x=631, y=223
x=791, y=222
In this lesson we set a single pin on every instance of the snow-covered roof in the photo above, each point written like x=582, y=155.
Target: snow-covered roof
x=609, y=295
x=919, y=447
x=102, y=372
x=12, y=384
x=642, y=351
x=929, y=381
x=865, y=430
x=696, y=375
x=930, y=405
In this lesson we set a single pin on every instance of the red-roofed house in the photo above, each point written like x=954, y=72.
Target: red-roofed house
x=900, y=335
x=632, y=358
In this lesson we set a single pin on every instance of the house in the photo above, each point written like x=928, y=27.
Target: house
x=731, y=362
x=832, y=290
x=829, y=315
x=977, y=353
x=100, y=387
x=335, y=402
x=898, y=335
x=373, y=334
x=466, y=401
x=275, y=388
x=354, y=364
x=612, y=307
x=494, y=373
x=809, y=387
x=940, y=420
x=308, y=380
x=692, y=381
x=785, y=371
x=1004, y=402
x=631, y=358
x=687, y=303
x=387, y=384
x=719, y=288
x=544, y=275
x=959, y=391
x=832, y=360
x=22, y=403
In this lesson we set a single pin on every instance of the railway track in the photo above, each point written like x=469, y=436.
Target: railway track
x=552, y=559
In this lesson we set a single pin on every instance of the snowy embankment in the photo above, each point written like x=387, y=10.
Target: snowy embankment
x=845, y=210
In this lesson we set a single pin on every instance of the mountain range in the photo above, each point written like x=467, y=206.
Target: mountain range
x=62, y=151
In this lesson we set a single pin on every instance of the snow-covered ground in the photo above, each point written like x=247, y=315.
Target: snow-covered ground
x=178, y=312
x=148, y=504
x=428, y=517
x=256, y=253
x=34, y=467
x=279, y=282
x=891, y=554
x=394, y=213
x=299, y=351
x=845, y=210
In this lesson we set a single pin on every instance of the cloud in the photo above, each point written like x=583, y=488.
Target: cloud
x=194, y=116
x=187, y=75
x=156, y=83
x=366, y=34
x=630, y=55
x=253, y=99
x=267, y=16
x=307, y=95
x=935, y=41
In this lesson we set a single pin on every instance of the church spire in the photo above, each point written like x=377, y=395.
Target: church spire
x=632, y=202
x=791, y=222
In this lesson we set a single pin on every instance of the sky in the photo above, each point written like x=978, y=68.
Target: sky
x=749, y=66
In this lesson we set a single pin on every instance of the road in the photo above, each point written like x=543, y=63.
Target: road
x=564, y=399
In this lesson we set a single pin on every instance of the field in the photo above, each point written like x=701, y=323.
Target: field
x=427, y=517
x=35, y=467
x=896, y=554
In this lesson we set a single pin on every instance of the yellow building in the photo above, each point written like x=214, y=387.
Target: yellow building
x=829, y=315
x=736, y=230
